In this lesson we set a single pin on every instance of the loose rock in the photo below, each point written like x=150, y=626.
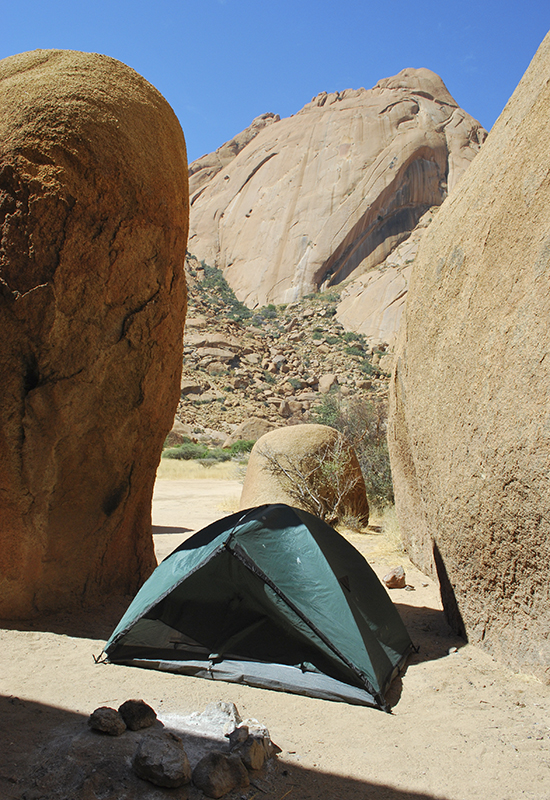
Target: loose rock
x=137, y=714
x=249, y=430
x=252, y=752
x=161, y=759
x=107, y=720
x=216, y=774
x=326, y=382
x=395, y=579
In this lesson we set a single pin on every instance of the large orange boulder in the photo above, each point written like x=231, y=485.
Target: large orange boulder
x=312, y=467
x=469, y=431
x=93, y=230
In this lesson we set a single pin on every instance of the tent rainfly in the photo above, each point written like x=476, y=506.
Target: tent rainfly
x=271, y=597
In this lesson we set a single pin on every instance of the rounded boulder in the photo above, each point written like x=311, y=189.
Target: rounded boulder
x=93, y=231
x=312, y=467
x=469, y=427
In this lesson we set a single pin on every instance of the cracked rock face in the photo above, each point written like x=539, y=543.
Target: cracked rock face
x=328, y=193
x=469, y=431
x=93, y=225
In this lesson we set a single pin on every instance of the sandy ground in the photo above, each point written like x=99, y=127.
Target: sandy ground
x=462, y=726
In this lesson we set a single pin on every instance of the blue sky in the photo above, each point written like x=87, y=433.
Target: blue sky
x=220, y=63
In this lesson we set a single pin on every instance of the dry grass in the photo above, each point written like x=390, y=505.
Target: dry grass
x=229, y=505
x=381, y=540
x=174, y=469
x=389, y=545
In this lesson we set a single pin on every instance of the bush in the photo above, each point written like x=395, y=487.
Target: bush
x=198, y=452
x=327, y=412
x=354, y=350
x=265, y=314
x=241, y=446
x=323, y=482
x=216, y=454
x=216, y=292
x=351, y=336
x=364, y=424
x=186, y=451
x=367, y=368
x=330, y=296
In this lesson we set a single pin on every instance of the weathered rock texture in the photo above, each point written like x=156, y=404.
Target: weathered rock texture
x=205, y=168
x=372, y=303
x=330, y=191
x=312, y=467
x=93, y=217
x=470, y=423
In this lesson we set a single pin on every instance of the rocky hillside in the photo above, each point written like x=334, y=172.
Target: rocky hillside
x=273, y=364
x=298, y=205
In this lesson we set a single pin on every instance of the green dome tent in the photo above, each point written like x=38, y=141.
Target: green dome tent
x=272, y=597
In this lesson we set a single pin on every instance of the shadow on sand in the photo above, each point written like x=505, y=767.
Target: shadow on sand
x=432, y=637
x=167, y=529
x=94, y=622
x=50, y=753
x=430, y=632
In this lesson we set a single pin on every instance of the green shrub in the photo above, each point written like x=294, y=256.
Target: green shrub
x=216, y=292
x=167, y=444
x=198, y=452
x=351, y=336
x=363, y=422
x=353, y=350
x=217, y=454
x=327, y=412
x=186, y=451
x=330, y=296
x=265, y=314
x=369, y=369
x=241, y=446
